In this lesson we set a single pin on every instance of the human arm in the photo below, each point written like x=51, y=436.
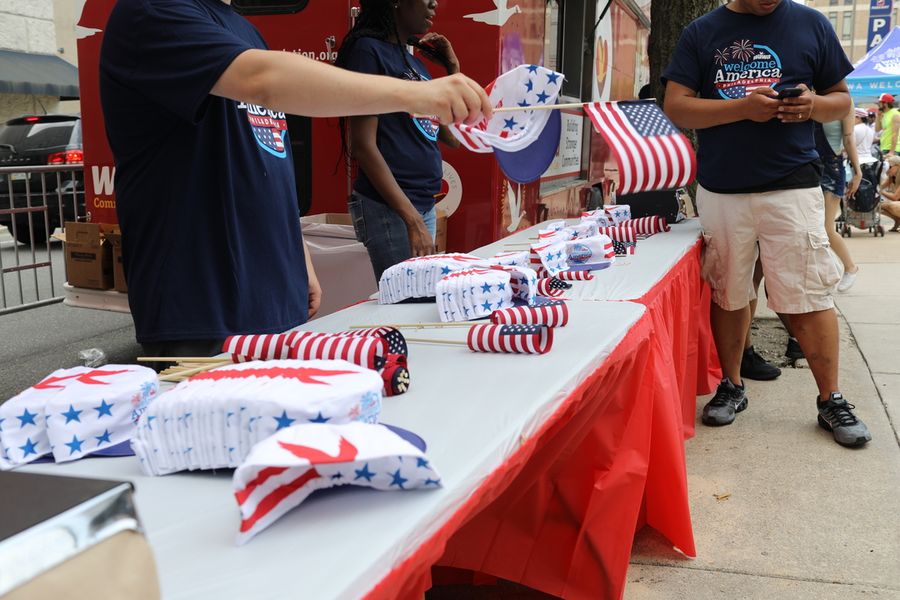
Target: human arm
x=291, y=83
x=363, y=144
x=828, y=105
x=437, y=48
x=690, y=112
x=315, y=290
x=895, y=129
x=850, y=146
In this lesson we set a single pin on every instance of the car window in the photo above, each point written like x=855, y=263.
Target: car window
x=47, y=135
x=12, y=134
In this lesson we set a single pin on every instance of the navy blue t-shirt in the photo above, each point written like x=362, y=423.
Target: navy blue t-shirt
x=205, y=186
x=722, y=54
x=408, y=144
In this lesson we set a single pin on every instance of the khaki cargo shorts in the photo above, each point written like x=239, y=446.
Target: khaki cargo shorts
x=800, y=268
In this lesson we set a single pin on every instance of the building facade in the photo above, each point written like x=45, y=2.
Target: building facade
x=850, y=19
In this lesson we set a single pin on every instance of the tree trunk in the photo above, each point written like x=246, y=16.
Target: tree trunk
x=668, y=19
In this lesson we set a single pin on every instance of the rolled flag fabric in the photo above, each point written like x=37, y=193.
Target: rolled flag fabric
x=571, y=275
x=510, y=259
x=618, y=212
x=396, y=343
x=590, y=254
x=515, y=339
x=624, y=238
x=600, y=216
x=283, y=470
x=365, y=351
x=551, y=256
x=526, y=85
x=652, y=154
x=213, y=419
x=244, y=348
x=76, y=412
x=551, y=287
x=473, y=294
x=551, y=314
x=647, y=226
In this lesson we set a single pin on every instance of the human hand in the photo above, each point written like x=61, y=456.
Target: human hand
x=799, y=109
x=420, y=240
x=854, y=183
x=760, y=105
x=442, y=51
x=315, y=294
x=453, y=99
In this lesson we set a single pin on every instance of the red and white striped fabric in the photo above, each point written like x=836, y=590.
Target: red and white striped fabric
x=282, y=470
x=648, y=225
x=514, y=339
x=244, y=348
x=550, y=287
x=551, y=314
x=620, y=233
x=365, y=351
x=652, y=154
x=576, y=275
x=396, y=343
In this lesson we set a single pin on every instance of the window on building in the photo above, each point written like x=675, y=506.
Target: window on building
x=269, y=7
x=832, y=18
x=832, y=2
x=847, y=26
x=848, y=2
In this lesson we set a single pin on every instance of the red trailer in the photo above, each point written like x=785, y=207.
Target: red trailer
x=490, y=37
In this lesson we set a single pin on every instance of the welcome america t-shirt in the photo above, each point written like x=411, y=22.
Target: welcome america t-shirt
x=724, y=55
x=205, y=185
x=408, y=144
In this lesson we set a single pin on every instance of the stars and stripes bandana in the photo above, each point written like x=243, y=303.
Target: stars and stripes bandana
x=600, y=216
x=526, y=85
x=619, y=213
x=510, y=259
x=549, y=258
x=75, y=412
x=589, y=254
x=585, y=229
x=473, y=294
x=515, y=339
x=418, y=277
x=551, y=314
x=283, y=470
x=577, y=275
x=647, y=226
x=523, y=282
x=652, y=154
x=213, y=419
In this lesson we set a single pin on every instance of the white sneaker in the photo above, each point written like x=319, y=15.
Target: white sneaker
x=847, y=280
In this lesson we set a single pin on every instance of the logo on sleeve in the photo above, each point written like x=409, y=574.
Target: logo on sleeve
x=744, y=66
x=269, y=128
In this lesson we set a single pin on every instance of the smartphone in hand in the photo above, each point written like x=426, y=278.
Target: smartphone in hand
x=790, y=92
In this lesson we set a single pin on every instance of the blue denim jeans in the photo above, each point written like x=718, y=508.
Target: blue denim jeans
x=383, y=232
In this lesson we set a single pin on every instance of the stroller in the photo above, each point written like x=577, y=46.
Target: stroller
x=861, y=210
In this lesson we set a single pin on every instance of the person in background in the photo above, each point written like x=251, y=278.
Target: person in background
x=194, y=106
x=832, y=139
x=863, y=138
x=767, y=192
x=890, y=192
x=400, y=165
x=887, y=126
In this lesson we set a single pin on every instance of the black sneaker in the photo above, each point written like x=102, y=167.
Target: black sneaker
x=793, y=350
x=754, y=366
x=836, y=415
x=728, y=401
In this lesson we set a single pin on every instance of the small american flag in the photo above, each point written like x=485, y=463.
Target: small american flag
x=651, y=152
x=551, y=314
x=517, y=339
x=244, y=348
x=575, y=275
x=365, y=351
x=624, y=238
x=646, y=226
x=552, y=287
x=396, y=343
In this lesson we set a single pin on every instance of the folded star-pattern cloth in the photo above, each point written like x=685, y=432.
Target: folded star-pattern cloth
x=281, y=471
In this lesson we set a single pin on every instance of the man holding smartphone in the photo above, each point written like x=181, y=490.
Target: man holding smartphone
x=888, y=126
x=759, y=183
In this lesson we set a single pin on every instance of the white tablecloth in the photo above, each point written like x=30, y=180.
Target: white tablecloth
x=473, y=410
x=631, y=276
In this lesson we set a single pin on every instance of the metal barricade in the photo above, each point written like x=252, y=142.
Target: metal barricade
x=34, y=201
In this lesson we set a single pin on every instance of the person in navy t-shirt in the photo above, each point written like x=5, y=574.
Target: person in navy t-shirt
x=400, y=166
x=194, y=109
x=759, y=182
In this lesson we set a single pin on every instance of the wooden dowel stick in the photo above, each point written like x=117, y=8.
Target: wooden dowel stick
x=505, y=109
x=439, y=342
x=420, y=325
x=182, y=359
x=182, y=375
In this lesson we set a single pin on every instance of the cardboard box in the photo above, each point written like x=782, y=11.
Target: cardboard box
x=88, y=256
x=114, y=236
x=328, y=219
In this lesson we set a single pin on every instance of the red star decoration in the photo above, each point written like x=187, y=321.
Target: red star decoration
x=346, y=453
x=302, y=374
x=88, y=378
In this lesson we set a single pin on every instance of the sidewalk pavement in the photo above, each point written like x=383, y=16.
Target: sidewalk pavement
x=779, y=509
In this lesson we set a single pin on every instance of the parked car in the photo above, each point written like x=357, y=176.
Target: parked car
x=34, y=140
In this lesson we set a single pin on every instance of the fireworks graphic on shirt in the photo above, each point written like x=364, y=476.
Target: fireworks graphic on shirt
x=721, y=57
x=742, y=50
